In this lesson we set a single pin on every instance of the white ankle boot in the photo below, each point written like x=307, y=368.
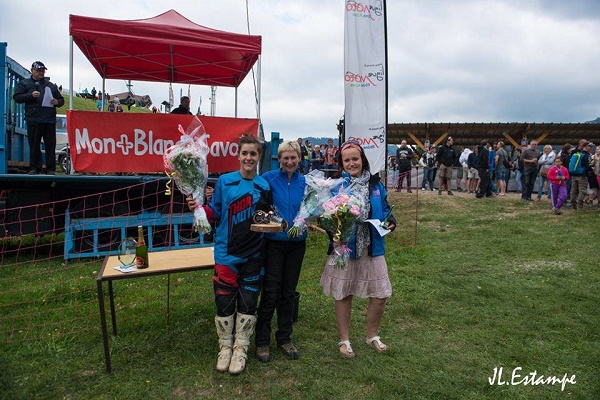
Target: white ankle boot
x=244, y=327
x=225, y=332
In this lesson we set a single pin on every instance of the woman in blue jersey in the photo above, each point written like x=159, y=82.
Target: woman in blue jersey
x=284, y=256
x=239, y=254
x=366, y=275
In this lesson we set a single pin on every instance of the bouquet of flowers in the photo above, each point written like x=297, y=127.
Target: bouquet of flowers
x=185, y=162
x=339, y=217
x=317, y=191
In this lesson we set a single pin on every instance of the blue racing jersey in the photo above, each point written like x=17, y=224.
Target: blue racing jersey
x=233, y=204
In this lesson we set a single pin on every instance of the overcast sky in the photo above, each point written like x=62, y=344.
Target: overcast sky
x=449, y=61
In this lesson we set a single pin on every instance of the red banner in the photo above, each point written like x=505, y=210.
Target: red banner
x=135, y=142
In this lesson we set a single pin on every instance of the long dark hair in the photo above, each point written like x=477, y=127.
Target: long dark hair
x=355, y=145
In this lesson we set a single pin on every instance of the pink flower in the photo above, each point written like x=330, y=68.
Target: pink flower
x=340, y=217
x=329, y=205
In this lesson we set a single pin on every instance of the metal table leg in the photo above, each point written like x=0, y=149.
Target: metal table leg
x=113, y=315
x=104, y=327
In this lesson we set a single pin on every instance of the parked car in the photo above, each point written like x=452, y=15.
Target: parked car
x=63, y=157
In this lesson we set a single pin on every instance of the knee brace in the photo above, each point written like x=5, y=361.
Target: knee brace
x=249, y=291
x=226, y=289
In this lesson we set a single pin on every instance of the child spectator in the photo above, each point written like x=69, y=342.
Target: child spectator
x=558, y=176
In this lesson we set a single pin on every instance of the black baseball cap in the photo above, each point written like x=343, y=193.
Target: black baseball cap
x=588, y=144
x=38, y=65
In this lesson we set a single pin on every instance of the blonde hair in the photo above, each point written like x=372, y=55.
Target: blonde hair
x=289, y=145
x=548, y=147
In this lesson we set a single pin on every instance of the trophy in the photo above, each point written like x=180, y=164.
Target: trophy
x=269, y=221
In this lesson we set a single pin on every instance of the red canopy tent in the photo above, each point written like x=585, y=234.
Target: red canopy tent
x=165, y=48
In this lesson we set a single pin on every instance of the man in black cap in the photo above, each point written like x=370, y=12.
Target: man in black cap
x=184, y=106
x=41, y=98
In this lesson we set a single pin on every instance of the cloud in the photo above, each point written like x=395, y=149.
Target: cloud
x=493, y=62
x=458, y=61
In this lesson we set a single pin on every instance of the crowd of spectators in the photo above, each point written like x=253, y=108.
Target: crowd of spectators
x=485, y=170
x=318, y=157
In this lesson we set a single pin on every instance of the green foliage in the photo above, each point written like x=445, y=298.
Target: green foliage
x=491, y=283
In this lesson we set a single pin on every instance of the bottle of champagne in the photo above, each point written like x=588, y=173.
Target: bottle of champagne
x=141, y=250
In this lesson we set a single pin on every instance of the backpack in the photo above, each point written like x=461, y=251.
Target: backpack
x=575, y=166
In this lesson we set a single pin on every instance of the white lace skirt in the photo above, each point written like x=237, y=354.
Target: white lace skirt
x=365, y=277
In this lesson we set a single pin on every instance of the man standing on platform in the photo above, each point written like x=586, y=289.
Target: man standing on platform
x=184, y=107
x=41, y=98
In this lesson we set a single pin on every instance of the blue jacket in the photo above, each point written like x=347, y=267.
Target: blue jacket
x=287, y=197
x=379, y=210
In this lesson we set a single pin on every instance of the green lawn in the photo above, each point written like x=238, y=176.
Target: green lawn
x=491, y=283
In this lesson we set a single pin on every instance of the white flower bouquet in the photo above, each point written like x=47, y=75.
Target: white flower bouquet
x=185, y=162
x=317, y=191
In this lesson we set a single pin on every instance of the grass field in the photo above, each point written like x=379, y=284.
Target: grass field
x=90, y=105
x=492, y=283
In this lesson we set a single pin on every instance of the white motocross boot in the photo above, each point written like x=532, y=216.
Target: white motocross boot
x=244, y=327
x=225, y=332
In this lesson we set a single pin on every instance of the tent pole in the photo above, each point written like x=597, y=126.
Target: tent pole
x=103, y=92
x=72, y=91
x=258, y=79
x=236, y=102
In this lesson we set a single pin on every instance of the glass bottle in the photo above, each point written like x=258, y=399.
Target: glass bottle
x=141, y=250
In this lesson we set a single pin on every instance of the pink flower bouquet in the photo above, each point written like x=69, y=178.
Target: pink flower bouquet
x=339, y=217
x=186, y=164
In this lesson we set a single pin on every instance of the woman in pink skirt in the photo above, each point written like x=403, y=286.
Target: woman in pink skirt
x=366, y=275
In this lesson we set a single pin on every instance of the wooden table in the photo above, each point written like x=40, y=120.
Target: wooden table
x=161, y=263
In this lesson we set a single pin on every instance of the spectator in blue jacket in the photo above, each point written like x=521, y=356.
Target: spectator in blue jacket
x=579, y=179
x=483, y=169
x=284, y=256
x=473, y=174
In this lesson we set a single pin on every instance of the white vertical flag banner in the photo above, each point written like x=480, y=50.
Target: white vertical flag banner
x=171, y=99
x=365, y=79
